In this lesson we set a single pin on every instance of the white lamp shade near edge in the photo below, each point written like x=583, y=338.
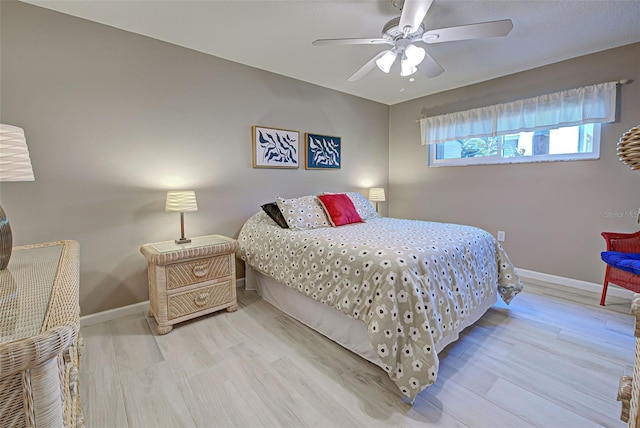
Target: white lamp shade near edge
x=181, y=201
x=376, y=194
x=15, y=164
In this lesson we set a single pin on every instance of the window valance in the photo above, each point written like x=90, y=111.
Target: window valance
x=588, y=104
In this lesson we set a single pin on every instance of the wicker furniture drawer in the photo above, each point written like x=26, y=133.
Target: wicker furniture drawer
x=198, y=300
x=191, y=272
x=190, y=280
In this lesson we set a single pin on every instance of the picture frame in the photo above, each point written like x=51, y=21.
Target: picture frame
x=322, y=151
x=275, y=147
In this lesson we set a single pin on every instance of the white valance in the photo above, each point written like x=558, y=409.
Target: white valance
x=589, y=104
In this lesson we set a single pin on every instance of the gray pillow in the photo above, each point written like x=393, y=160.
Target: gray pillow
x=274, y=212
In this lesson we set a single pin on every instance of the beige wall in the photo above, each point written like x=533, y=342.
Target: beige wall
x=552, y=213
x=110, y=116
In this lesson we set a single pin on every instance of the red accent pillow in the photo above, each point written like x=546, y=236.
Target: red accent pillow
x=340, y=209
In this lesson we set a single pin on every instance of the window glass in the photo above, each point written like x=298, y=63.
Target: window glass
x=568, y=143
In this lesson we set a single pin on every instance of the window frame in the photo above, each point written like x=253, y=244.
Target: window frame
x=499, y=160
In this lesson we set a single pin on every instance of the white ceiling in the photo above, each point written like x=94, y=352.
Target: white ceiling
x=277, y=35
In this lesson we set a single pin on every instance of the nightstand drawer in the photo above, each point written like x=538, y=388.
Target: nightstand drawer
x=200, y=270
x=198, y=300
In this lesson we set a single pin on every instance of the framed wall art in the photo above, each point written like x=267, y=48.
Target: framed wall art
x=322, y=152
x=275, y=148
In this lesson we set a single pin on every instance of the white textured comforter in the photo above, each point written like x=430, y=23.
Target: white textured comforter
x=410, y=281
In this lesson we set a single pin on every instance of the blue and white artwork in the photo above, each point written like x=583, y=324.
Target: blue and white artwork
x=323, y=152
x=275, y=148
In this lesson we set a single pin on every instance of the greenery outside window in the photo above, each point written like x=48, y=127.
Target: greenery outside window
x=561, y=144
x=557, y=126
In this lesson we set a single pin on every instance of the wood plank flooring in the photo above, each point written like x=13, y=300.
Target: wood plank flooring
x=553, y=358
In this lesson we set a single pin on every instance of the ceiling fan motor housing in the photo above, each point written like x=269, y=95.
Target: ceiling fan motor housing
x=392, y=31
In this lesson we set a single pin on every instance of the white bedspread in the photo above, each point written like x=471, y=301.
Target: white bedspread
x=410, y=281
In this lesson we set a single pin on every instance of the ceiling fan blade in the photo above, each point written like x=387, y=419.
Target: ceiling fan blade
x=376, y=41
x=365, y=68
x=413, y=13
x=471, y=31
x=429, y=66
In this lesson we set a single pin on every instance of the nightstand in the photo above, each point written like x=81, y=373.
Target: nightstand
x=190, y=280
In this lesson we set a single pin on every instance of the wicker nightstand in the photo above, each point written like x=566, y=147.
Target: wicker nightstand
x=190, y=280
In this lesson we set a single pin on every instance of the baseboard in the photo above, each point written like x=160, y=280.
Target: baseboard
x=613, y=290
x=124, y=311
x=113, y=314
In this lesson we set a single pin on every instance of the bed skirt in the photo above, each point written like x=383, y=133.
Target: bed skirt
x=345, y=331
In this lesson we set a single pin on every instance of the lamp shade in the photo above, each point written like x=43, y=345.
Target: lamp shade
x=406, y=69
x=15, y=164
x=376, y=194
x=629, y=148
x=181, y=201
x=414, y=54
x=385, y=62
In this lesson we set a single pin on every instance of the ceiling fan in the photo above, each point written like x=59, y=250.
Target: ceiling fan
x=407, y=32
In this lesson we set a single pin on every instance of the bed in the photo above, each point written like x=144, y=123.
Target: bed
x=395, y=291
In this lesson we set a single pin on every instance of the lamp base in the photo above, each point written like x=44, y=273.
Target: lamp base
x=183, y=241
x=6, y=241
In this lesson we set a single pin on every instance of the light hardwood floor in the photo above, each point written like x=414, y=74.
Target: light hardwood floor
x=550, y=359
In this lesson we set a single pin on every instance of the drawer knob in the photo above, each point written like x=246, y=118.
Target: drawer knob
x=200, y=270
x=202, y=299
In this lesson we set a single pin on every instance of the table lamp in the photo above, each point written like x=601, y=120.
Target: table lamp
x=376, y=194
x=181, y=201
x=15, y=165
x=629, y=150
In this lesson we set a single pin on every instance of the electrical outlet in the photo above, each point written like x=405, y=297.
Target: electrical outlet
x=501, y=235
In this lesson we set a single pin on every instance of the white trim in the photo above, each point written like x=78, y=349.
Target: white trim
x=239, y=282
x=113, y=314
x=613, y=290
x=124, y=311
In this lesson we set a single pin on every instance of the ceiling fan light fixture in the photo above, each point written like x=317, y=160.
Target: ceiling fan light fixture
x=414, y=54
x=402, y=32
x=406, y=68
x=385, y=62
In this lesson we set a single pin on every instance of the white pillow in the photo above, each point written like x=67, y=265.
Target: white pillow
x=302, y=213
x=363, y=206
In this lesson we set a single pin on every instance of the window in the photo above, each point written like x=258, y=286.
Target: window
x=566, y=143
x=558, y=126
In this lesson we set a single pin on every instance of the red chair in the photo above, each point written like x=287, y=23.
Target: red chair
x=624, y=243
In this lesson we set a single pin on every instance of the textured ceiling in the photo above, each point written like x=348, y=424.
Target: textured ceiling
x=277, y=35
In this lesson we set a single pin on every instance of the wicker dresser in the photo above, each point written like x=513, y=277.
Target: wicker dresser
x=39, y=341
